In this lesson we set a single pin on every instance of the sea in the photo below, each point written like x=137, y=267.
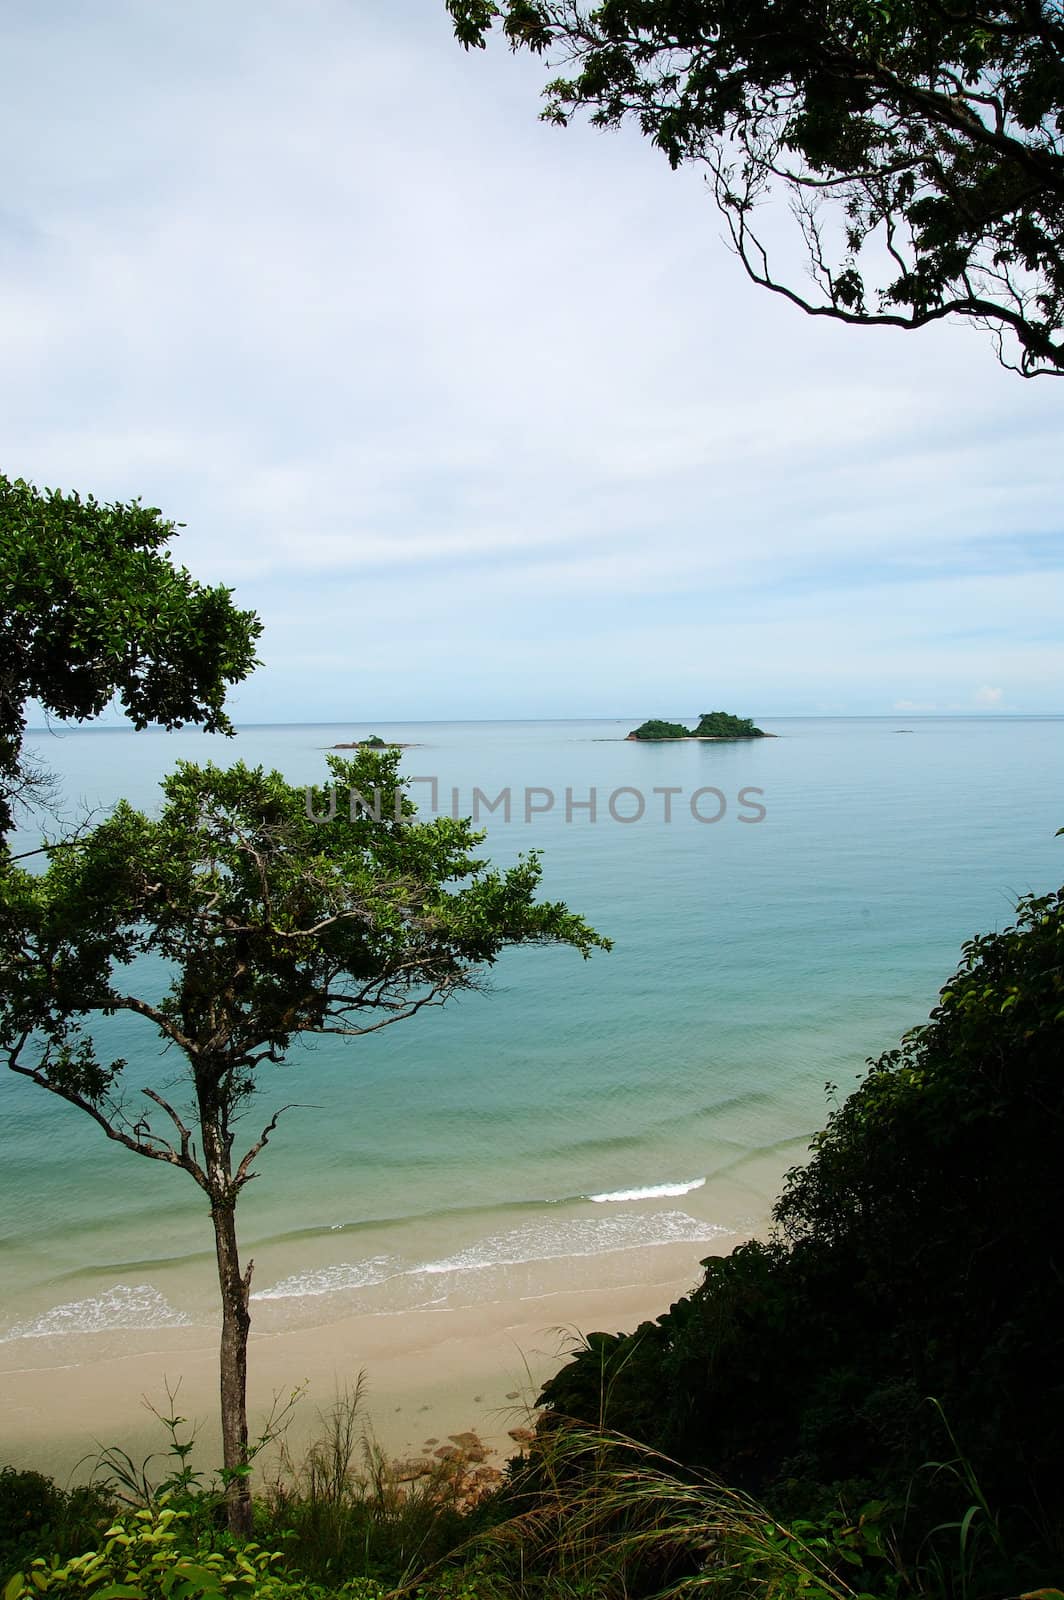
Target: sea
x=782, y=910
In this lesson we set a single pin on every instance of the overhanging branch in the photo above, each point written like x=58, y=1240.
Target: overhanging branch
x=1041, y=356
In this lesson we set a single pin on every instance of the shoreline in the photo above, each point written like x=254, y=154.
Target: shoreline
x=430, y=1372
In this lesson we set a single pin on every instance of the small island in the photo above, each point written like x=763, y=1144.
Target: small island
x=374, y=742
x=712, y=725
x=655, y=729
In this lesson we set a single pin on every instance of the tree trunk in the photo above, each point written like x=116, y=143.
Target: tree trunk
x=236, y=1321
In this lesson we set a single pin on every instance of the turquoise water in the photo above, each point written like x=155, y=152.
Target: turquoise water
x=754, y=962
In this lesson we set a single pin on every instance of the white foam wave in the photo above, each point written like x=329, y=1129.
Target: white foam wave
x=584, y=1236
x=654, y=1191
x=334, y=1279
x=537, y=1241
x=136, y=1305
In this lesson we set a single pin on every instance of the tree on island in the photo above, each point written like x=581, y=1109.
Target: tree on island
x=656, y=729
x=713, y=725
x=722, y=725
x=93, y=607
x=918, y=146
x=270, y=925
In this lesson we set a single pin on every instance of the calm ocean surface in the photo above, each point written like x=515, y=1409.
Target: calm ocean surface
x=653, y=1095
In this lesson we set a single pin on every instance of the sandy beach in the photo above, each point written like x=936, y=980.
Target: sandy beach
x=429, y=1372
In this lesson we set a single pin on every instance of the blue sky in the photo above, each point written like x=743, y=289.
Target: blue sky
x=482, y=416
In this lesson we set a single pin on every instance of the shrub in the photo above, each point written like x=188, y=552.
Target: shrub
x=347, y=1510
x=723, y=725
x=142, y=1556
x=36, y=1514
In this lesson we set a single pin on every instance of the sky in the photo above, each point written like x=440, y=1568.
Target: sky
x=482, y=416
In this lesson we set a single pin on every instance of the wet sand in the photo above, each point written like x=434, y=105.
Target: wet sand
x=429, y=1372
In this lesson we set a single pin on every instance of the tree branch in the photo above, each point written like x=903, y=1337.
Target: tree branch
x=186, y=1157
x=160, y=1151
x=1041, y=356
x=129, y=1002
x=243, y=1171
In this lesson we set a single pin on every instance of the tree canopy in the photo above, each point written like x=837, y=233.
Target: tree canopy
x=919, y=143
x=91, y=607
x=269, y=923
x=711, y=725
x=657, y=728
x=725, y=725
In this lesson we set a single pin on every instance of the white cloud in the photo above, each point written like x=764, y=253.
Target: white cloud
x=430, y=381
x=989, y=699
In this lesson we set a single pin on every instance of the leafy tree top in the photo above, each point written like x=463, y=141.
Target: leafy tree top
x=723, y=725
x=712, y=725
x=938, y=1119
x=93, y=607
x=655, y=728
x=920, y=145
x=272, y=921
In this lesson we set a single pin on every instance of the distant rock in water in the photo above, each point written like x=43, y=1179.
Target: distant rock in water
x=712, y=725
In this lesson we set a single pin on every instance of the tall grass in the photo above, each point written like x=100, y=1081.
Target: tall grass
x=599, y=1515
x=345, y=1509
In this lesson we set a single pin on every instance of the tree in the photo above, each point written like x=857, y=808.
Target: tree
x=270, y=925
x=656, y=728
x=91, y=606
x=920, y=143
x=724, y=725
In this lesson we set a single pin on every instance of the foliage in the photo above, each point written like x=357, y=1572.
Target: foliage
x=341, y=1512
x=36, y=1514
x=596, y=1513
x=916, y=1254
x=170, y=1477
x=93, y=607
x=346, y=1510
x=143, y=1556
x=712, y=725
x=656, y=729
x=918, y=144
x=271, y=924
x=722, y=725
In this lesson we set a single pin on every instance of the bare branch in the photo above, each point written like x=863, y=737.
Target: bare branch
x=436, y=997
x=186, y=1158
x=243, y=1171
x=157, y=1151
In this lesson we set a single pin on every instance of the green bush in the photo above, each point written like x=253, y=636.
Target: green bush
x=143, y=1556
x=723, y=725
x=35, y=1515
x=345, y=1510
x=656, y=729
